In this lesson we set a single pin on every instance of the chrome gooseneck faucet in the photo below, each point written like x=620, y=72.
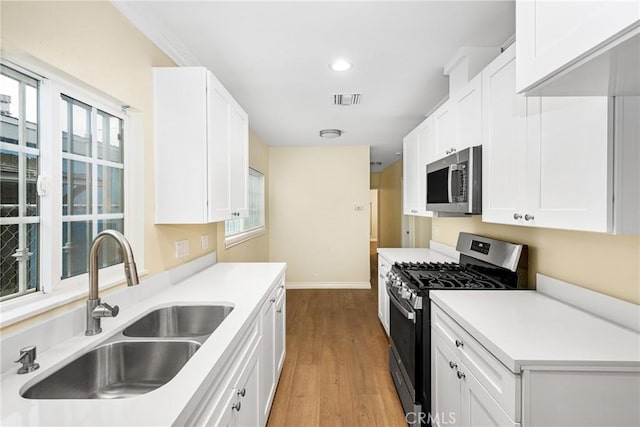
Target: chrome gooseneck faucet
x=95, y=309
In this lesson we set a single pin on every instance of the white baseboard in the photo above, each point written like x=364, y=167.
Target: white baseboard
x=615, y=310
x=328, y=285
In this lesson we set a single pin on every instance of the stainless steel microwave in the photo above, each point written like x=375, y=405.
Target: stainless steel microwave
x=454, y=183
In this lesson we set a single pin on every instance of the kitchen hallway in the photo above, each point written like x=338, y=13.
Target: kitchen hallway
x=336, y=370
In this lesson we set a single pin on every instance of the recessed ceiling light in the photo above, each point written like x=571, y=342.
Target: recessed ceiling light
x=340, y=65
x=330, y=133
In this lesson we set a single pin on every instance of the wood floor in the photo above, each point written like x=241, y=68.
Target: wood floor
x=336, y=369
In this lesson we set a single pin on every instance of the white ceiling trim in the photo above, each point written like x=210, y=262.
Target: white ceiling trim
x=160, y=35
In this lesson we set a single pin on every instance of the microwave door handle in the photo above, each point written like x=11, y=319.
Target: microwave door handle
x=409, y=315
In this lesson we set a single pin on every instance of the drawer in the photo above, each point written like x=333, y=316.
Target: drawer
x=502, y=384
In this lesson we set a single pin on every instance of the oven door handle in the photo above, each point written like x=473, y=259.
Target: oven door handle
x=408, y=314
x=450, y=182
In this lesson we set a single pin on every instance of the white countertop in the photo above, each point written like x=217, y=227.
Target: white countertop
x=413, y=255
x=526, y=328
x=243, y=285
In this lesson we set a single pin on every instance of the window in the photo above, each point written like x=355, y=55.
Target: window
x=242, y=229
x=19, y=209
x=63, y=180
x=92, y=183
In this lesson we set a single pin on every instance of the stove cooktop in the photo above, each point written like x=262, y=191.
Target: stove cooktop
x=436, y=275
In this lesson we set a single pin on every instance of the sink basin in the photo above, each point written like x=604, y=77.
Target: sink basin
x=116, y=370
x=179, y=321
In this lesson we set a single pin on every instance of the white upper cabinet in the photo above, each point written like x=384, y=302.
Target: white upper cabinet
x=504, y=149
x=410, y=180
x=587, y=47
x=200, y=148
x=445, y=135
x=417, y=150
x=467, y=103
x=550, y=161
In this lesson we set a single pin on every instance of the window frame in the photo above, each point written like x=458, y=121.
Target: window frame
x=54, y=291
x=248, y=234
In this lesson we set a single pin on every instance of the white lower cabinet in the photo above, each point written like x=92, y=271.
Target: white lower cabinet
x=458, y=396
x=243, y=393
x=272, y=318
x=240, y=405
x=471, y=387
x=384, y=268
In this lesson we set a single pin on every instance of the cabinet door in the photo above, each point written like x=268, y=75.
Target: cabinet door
x=478, y=409
x=468, y=105
x=569, y=157
x=280, y=334
x=239, y=158
x=426, y=148
x=248, y=412
x=445, y=385
x=180, y=145
x=444, y=121
x=504, y=145
x=410, y=180
x=219, y=154
x=552, y=35
x=383, y=297
x=267, y=356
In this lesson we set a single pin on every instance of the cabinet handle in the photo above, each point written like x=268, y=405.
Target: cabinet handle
x=517, y=216
x=459, y=343
x=242, y=393
x=528, y=217
x=453, y=150
x=279, y=311
x=453, y=365
x=447, y=152
x=461, y=375
x=281, y=286
x=236, y=406
x=272, y=300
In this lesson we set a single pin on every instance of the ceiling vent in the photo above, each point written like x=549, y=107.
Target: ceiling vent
x=347, y=98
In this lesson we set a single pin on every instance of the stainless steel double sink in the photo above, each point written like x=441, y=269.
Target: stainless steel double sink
x=140, y=358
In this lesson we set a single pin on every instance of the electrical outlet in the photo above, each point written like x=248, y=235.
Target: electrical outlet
x=204, y=242
x=182, y=248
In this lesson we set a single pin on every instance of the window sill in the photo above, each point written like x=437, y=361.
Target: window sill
x=237, y=239
x=25, y=307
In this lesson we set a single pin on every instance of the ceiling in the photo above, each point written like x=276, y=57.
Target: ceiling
x=274, y=59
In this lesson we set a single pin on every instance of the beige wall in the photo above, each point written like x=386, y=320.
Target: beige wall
x=256, y=249
x=422, y=232
x=95, y=44
x=601, y=262
x=315, y=228
x=390, y=206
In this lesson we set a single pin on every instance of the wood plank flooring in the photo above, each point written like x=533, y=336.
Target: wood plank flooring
x=336, y=368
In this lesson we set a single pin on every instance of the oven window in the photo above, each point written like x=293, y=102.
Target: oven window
x=403, y=336
x=438, y=186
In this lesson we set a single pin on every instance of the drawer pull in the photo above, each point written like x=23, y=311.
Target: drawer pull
x=461, y=375
x=459, y=343
x=242, y=392
x=272, y=300
x=236, y=406
x=453, y=365
x=279, y=311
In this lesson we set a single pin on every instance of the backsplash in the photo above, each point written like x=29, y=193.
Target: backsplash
x=605, y=263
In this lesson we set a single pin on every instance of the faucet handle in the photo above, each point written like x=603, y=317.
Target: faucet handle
x=105, y=310
x=27, y=358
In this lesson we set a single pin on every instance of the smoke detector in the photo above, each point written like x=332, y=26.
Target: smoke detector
x=347, y=98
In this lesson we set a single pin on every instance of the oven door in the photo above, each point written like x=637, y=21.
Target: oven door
x=403, y=333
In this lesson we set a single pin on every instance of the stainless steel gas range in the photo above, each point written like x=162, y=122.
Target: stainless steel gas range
x=484, y=264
